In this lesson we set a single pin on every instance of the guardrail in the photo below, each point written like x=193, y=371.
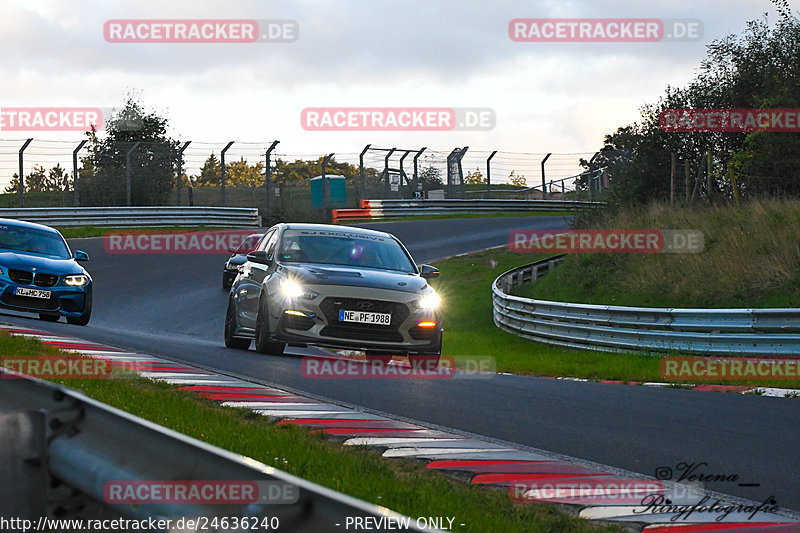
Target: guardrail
x=137, y=216
x=380, y=209
x=753, y=332
x=59, y=448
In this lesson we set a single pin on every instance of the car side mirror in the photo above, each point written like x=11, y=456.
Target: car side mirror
x=259, y=256
x=428, y=271
x=80, y=256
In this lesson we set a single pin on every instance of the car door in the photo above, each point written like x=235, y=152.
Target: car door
x=254, y=274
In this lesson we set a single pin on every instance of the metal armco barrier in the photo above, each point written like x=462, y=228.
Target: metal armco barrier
x=59, y=448
x=747, y=332
x=120, y=217
x=380, y=209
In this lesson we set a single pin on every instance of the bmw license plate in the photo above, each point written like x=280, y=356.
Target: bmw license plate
x=32, y=293
x=365, y=317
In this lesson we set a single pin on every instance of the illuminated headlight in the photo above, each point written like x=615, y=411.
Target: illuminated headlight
x=292, y=289
x=429, y=301
x=77, y=280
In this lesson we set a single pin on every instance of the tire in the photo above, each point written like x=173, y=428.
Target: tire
x=237, y=343
x=263, y=343
x=382, y=358
x=428, y=362
x=49, y=318
x=83, y=319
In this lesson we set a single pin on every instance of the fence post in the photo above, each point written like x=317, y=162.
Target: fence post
x=128, y=172
x=708, y=176
x=222, y=163
x=686, y=179
x=673, y=169
x=386, y=170
x=180, y=169
x=544, y=189
x=361, y=170
x=402, y=172
x=325, y=193
x=417, y=187
x=489, y=174
x=75, y=198
x=22, y=174
x=268, y=177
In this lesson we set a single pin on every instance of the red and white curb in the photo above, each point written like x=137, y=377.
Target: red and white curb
x=482, y=462
x=740, y=389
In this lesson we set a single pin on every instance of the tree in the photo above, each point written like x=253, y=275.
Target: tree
x=431, y=178
x=153, y=163
x=39, y=180
x=518, y=180
x=474, y=178
x=210, y=173
x=240, y=174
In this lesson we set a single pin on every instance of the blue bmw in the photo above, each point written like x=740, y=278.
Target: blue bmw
x=39, y=274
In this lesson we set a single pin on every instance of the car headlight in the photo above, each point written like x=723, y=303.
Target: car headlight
x=77, y=280
x=429, y=301
x=292, y=289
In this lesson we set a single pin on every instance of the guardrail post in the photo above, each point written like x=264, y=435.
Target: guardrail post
x=268, y=177
x=22, y=174
x=180, y=169
x=361, y=171
x=591, y=173
x=75, y=199
x=128, y=172
x=417, y=187
x=222, y=164
x=326, y=212
x=489, y=173
x=544, y=189
x=386, y=170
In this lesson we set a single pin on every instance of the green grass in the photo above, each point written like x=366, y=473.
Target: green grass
x=470, y=215
x=401, y=485
x=465, y=285
x=73, y=232
x=751, y=259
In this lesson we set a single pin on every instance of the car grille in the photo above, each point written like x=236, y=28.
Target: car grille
x=25, y=277
x=28, y=303
x=45, y=280
x=370, y=332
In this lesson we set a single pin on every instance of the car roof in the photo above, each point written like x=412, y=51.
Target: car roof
x=25, y=224
x=334, y=227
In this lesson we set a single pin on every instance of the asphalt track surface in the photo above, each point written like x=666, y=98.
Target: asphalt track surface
x=172, y=306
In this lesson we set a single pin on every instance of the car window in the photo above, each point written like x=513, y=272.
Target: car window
x=262, y=245
x=344, y=248
x=249, y=244
x=22, y=239
x=269, y=245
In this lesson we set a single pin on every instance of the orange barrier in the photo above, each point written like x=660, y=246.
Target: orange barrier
x=351, y=214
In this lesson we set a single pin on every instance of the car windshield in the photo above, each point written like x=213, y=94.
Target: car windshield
x=344, y=248
x=22, y=239
x=249, y=244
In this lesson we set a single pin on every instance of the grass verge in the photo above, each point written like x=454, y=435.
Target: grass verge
x=401, y=485
x=465, y=286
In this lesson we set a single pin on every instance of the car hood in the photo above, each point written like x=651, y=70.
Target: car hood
x=237, y=259
x=349, y=276
x=40, y=263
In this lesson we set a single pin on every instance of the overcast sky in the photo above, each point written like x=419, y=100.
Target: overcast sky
x=555, y=97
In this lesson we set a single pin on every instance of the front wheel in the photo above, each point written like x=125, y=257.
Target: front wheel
x=230, y=327
x=263, y=343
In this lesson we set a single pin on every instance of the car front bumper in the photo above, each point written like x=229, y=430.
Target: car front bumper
x=315, y=321
x=65, y=301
